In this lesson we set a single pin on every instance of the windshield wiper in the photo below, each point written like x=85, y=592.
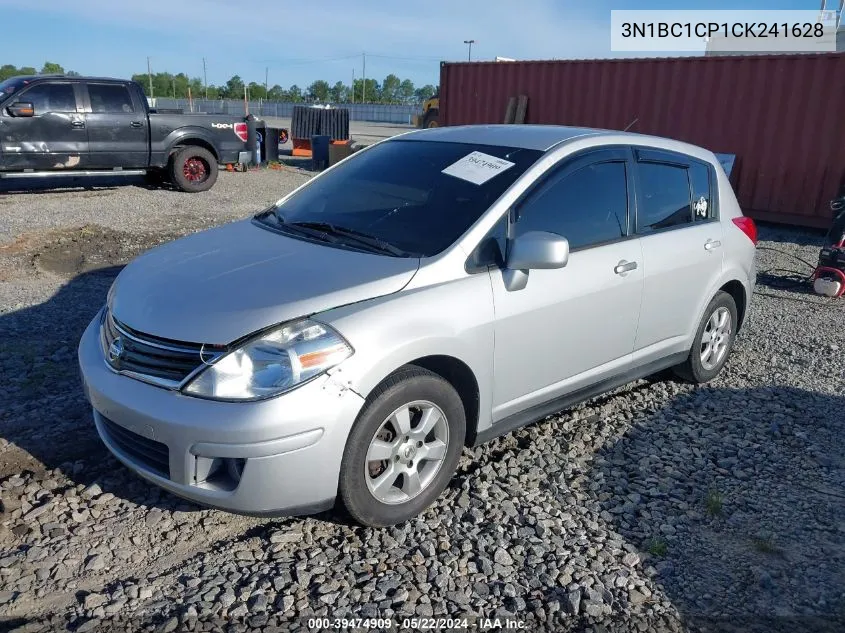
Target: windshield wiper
x=271, y=217
x=366, y=239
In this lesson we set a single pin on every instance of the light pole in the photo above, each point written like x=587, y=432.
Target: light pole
x=469, y=43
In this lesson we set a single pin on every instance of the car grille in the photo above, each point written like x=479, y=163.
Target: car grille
x=149, y=358
x=151, y=455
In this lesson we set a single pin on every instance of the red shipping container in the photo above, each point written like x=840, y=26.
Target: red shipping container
x=783, y=116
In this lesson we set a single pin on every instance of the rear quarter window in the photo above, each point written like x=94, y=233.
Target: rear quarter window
x=703, y=203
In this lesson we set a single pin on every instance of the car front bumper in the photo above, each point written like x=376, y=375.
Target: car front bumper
x=289, y=448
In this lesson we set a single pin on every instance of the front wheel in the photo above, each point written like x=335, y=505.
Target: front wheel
x=193, y=169
x=713, y=342
x=403, y=449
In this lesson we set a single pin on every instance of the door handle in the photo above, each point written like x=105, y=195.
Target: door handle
x=136, y=124
x=623, y=267
x=77, y=125
x=709, y=245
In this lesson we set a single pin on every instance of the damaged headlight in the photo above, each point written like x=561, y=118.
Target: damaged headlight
x=272, y=362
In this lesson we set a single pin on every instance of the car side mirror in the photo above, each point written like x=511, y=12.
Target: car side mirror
x=533, y=250
x=538, y=250
x=21, y=109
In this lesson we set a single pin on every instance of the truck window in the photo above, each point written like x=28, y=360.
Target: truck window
x=110, y=98
x=51, y=97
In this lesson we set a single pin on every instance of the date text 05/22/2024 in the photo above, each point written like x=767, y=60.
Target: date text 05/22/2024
x=416, y=624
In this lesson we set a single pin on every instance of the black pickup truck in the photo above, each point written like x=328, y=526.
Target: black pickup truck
x=80, y=126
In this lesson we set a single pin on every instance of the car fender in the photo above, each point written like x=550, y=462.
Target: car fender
x=732, y=273
x=393, y=331
x=179, y=136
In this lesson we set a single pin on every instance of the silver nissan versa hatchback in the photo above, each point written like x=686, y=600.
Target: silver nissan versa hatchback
x=432, y=291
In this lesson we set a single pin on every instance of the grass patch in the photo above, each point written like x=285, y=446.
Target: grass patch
x=713, y=502
x=765, y=544
x=657, y=547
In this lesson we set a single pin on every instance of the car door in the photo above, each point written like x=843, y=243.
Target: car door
x=118, y=133
x=568, y=327
x=52, y=137
x=677, y=221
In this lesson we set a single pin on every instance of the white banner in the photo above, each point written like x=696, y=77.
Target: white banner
x=703, y=31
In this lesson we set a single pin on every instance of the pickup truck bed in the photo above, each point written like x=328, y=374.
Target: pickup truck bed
x=55, y=125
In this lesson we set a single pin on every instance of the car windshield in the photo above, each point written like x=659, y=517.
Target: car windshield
x=9, y=86
x=413, y=198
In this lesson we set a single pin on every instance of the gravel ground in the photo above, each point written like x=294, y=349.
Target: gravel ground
x=660, y=506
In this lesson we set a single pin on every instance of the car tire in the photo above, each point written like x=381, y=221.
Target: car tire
x=193, y=169
x=714, y=341
x=389, y=434
x=432, y=119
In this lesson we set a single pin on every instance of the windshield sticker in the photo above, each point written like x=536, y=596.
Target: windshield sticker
x=478, y=167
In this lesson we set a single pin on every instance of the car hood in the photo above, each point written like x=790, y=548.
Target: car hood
x=219, y=285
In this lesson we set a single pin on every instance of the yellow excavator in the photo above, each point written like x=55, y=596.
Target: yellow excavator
x=430, y=116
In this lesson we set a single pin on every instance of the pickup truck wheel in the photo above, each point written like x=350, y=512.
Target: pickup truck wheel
x=193, y=169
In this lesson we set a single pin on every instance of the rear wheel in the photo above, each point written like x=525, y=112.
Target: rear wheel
x=431, y=119
x=713, y=342
x=193, y=169
x=403, y=449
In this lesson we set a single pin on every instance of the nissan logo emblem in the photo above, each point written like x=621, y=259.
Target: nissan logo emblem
x=115, y=349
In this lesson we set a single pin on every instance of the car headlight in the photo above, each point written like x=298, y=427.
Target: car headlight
x=271, y=363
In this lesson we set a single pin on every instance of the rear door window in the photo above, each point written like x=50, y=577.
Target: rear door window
x=663, y=196
x=110, y=99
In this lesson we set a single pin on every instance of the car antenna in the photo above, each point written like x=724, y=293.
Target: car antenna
x=631, y=124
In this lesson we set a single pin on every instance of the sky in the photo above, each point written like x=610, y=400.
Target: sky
x=299, y=42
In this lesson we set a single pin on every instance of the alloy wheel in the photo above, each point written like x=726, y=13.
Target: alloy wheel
x=406, y=452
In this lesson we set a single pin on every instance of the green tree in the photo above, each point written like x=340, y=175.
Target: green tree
x=425, y=93
x=276, y=93
x=27, y=70
x=390, y=89
x=295, y=94
x=339, y=93
x=234, y=88
x=406, y=91
x=52, y=68
x=257, y=91
x=372, y=94
x=8, y=70
x=197, y=89
x=319, y=90
x=72, y=73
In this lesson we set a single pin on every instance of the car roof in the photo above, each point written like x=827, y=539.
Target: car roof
x=545, y=137
x=32, y=78
x=539, y=137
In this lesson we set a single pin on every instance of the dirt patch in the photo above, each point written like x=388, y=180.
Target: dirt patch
x=69, y=252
